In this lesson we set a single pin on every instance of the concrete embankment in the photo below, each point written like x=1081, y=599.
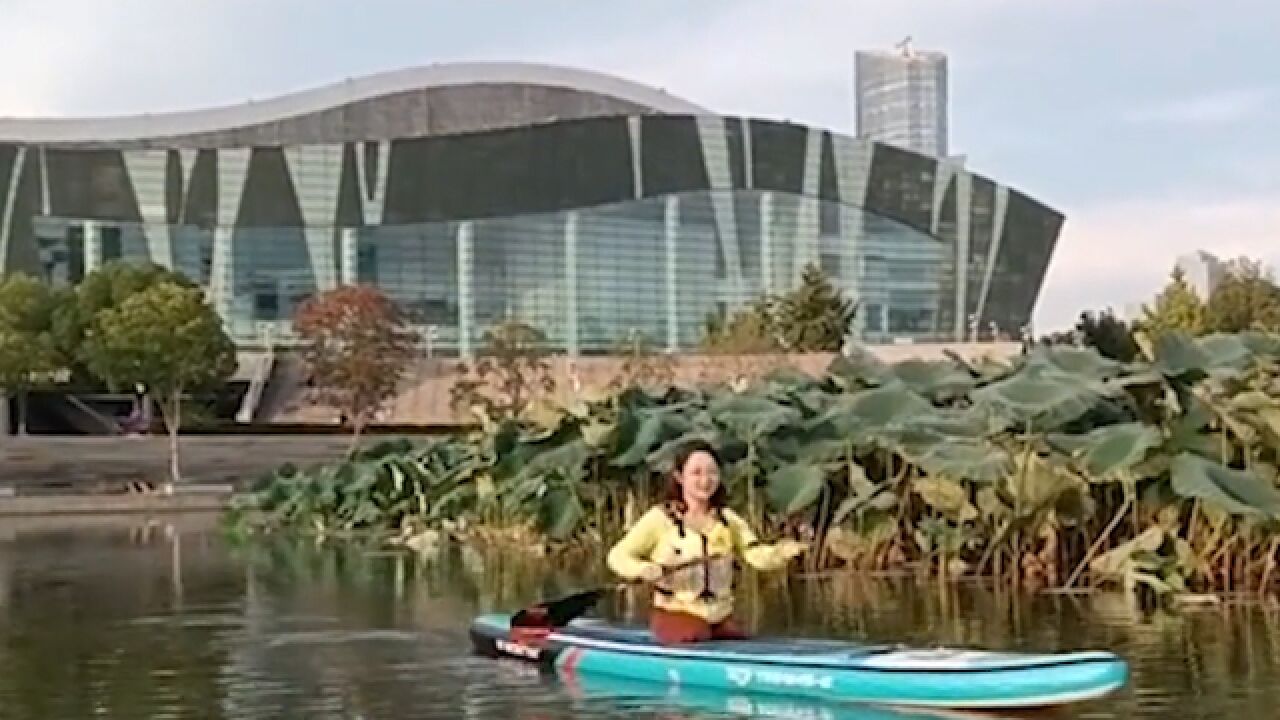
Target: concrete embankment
x=45, y=475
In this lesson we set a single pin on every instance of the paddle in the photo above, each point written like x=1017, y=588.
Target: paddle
x=558, y=613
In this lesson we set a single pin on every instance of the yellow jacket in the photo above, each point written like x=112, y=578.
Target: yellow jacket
x=705, y=588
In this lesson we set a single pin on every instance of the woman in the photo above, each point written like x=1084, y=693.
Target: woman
x=686, y=547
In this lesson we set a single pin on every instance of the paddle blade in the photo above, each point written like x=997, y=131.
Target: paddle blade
x=556, y=613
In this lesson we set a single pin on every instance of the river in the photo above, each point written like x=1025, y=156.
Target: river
x=129, y=618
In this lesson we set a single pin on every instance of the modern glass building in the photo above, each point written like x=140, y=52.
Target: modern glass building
x=585, y=204
x=901, y=98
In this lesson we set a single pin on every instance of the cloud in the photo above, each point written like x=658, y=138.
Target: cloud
x=1216, y=108
x=1121, y=254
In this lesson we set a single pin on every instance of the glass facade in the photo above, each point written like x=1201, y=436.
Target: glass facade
x=902, y=99
x=587, y=278
x=589, y=229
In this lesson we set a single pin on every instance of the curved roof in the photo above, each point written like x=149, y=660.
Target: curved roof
x=354, y=90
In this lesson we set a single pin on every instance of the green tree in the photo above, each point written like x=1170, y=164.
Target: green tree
x=105, y=288
x=815, y=317
x=1176, y=308
x=751, y=330
x=1247, y=298
x=167, y=339
x=511, y=370
x=1108, y=334
x=357, y=347
x=28, y=358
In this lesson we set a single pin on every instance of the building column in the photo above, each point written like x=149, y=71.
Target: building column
x=350, y=256
x=571, y=283
x=766, y=242
x=466, y=309
x=92, y=246
x=8, y=200
x=221, y=274
x=671, y=217
x=964, y=196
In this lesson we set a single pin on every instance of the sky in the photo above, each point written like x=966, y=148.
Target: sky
x=1150, y=124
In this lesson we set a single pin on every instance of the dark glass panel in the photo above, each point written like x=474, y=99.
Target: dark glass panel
x=901, y=186
x=90, y=184
x=112, y=247
x=507, y=173
x=829, y=183
x=672, y=151
x=777, y=152
x=350, y=205
x=270, y=199
x=23, y=253
x=1027, y=242
x=7, y=155
x=75, y=253
x=176, y=181
x=201, y=208
x=736, y=133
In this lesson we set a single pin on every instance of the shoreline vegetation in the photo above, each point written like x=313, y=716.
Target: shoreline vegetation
x=1143, y=456
x=1059, y=470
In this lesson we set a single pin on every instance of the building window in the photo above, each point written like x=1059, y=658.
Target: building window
x=111, y=244
x=830, y=264
x=875, y=318
x=367, y=263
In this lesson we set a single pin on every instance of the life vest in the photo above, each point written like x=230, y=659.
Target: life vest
x=704, y=587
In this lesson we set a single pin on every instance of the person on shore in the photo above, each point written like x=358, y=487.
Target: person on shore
x=686, y=547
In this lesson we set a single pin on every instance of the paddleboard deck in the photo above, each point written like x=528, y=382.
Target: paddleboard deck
x=824, y=669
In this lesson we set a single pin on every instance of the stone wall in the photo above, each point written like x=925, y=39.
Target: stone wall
x=424, y=399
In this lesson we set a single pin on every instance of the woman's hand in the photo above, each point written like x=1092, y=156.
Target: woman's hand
x=651, y=572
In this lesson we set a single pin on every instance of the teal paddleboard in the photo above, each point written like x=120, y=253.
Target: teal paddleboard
x=827, y=670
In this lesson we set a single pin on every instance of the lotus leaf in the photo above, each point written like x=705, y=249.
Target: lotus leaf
x=1116, y=562
x=1237, y=492
x=793, y=488
x=977, y=462
x=1038, y=398
x=1110, y=451
x=871, y=415
x=947, y=497
x=1225, y=351
x=642, y=430
x=1040, y=485
x=1178, y=355
x=789, y=379
x=1080, y=362
x=938, y=380
x=561, y=512
x=990, y=505
x=1269, y=418
x=750, y=417
x=859, y=369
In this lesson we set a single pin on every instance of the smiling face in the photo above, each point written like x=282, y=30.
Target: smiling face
x=699, y=479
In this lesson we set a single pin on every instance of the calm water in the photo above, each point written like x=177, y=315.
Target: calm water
x=129, y=620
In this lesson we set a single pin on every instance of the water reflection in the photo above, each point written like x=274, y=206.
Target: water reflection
x=136, y=618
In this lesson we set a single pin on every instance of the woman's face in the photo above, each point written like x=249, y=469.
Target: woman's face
x=699, y=478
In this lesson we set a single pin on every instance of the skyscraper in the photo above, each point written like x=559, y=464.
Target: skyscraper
x=901, y=98
x=1203, y=271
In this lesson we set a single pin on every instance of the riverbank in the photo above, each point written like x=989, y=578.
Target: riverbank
x=69, y=475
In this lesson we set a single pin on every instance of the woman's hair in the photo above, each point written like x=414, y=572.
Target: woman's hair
x=674, y=496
